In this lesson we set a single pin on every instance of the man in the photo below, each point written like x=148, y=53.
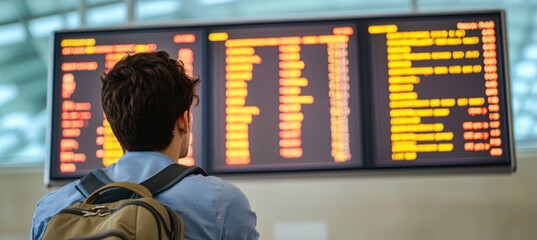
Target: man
x=147, y=98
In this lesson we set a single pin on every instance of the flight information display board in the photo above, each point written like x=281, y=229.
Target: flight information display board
x=282, y=97
x=415, y=92
x=439, y=94
x=81, y=137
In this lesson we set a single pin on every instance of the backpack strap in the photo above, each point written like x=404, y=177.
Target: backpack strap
x=166, y=178
x=93, y=181
x=170, y=176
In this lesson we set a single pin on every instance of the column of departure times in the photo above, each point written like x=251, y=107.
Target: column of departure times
x=239, y=66
x=291, y=100
x=338, y=76
x=477, y=133
x=75, y=115
x=413, y=58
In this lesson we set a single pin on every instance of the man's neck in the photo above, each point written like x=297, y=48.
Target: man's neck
x=170, y=152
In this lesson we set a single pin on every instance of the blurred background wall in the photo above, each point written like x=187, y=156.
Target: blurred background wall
x=398, y=207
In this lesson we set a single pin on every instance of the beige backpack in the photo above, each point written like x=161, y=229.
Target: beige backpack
x=121, y=210
x=140, y=218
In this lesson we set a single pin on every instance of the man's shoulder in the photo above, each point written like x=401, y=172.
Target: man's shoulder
x=210, y=186
x=210, y=205
x=50, y=205
x=204, y=192
x=55, y=201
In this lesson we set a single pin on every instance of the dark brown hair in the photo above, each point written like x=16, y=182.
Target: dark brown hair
x=143, y=95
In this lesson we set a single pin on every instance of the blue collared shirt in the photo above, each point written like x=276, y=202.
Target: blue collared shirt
x=210, y=207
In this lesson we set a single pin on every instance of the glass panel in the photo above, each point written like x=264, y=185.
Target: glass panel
x=99, y=2
x=214, y=2
x=7, y=12
x=72, y=19
x=107, y=15
x=8, y=92
x=259, y=8
x=151, y=9
x=43, y=27
x=12, y=33
x=40, y=7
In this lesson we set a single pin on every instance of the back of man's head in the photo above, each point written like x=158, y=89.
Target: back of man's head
x=143, y=95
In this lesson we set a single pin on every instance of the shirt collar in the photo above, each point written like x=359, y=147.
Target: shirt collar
x=138, y=166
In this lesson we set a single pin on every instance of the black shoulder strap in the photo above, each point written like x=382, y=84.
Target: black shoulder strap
x=169, y=176
x=93, y=181
x=160, y=182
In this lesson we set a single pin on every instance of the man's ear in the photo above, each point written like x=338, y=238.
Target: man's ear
x=183, y=122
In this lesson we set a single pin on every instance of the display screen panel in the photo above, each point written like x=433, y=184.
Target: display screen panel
x=81, y=137
x=439, y=91
x=285, y=97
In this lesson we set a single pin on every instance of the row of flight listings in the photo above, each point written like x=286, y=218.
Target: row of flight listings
x=402, y=92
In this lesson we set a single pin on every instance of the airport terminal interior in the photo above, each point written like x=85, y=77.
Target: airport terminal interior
x=341, y=119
